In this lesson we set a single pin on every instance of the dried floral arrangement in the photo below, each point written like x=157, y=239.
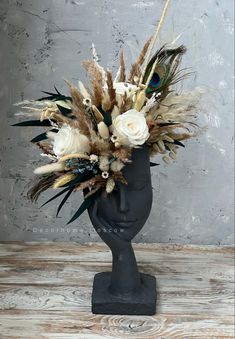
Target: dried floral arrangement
x=92, y=131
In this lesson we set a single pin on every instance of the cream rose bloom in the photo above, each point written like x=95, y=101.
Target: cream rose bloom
x=123, y=88
x=130, y=128
x=69, y=141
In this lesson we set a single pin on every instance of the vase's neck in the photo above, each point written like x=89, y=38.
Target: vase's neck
x=125, y=277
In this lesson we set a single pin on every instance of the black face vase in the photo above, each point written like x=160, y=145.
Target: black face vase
x=117, y=218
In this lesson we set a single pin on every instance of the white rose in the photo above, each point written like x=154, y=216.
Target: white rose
x=131, y=128
x=124, y=88
x=69, y=141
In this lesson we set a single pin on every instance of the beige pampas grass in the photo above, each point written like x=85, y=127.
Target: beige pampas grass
x=96, y=80
x=122, y=72
x=115, y=112
x=103, y=130
x=54, y=167
x=98, y=115
x=135, y=68
x=83, y=90
x=62, y=180
x=111, y=90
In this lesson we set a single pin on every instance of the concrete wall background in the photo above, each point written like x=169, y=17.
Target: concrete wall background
x=43, y=41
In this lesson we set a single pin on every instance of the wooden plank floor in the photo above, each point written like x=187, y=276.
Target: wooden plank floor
x=45, y=292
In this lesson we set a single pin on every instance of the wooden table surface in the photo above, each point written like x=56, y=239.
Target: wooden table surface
x=45, y=292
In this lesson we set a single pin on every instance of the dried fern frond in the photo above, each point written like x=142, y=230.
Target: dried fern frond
x=123, y=153
x=118, y=176
x=135, y=68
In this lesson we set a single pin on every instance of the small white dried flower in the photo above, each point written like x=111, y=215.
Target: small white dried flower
x=87, y=102
x=114, y=138
x=93, y=158
x=105, y=174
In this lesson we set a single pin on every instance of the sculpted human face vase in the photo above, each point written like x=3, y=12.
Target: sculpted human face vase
x=117, y=218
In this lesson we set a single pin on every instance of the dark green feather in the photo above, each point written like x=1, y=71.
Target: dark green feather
x=85, y=205
x=43, y=136
x=33, y=123
x=55, y=96
x=64, y=200
x=64, y=111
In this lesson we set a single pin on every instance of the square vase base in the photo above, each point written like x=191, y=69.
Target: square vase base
x=103, y=302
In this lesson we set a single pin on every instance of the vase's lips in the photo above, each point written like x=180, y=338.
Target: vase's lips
x=123, y=223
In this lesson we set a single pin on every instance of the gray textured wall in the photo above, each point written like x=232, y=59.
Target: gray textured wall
x=44, y=41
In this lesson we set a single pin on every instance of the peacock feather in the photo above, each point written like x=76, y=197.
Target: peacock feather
x=166, y=70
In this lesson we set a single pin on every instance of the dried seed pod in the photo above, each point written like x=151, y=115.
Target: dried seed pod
x=166, y=159
x=161, y=145
x=172, y=155
x=116, y=166
x=167, y=138
x=172, y=147
x=110, y=184
x=156, y=148
x=103, y=130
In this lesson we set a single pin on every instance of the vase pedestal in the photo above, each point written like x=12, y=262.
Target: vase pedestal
x=141, y=302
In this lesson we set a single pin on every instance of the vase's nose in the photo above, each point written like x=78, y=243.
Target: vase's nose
x=123, y=203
